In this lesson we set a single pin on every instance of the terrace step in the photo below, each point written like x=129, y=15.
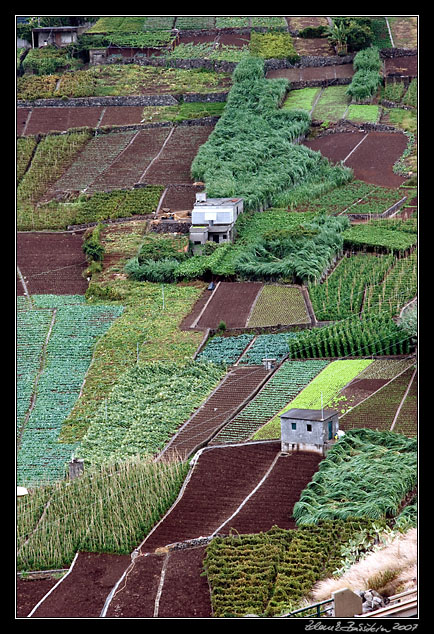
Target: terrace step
x=234, y=391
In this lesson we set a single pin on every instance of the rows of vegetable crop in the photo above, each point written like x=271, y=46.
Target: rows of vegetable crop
x=271, y=573
x=225, y=349
x=278, y=304
x=407, y=420
x=32, y=330
x=282, y=387
x=319, y=393
x=24, y=152
x=52, y=156
x=119, y=203
x=375, y=235
x=355, y=197
x=342, y=293
x=96, y=157
x=68, y=354
x=146, y=407
x=81, y=516
x=370, y=334
x=121, y=80
x=398, y=288
x=268, y=346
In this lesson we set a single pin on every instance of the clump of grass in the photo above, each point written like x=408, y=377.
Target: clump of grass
x=365, y=474
x=387, y=570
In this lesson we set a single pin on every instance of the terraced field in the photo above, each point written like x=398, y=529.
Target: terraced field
x=378, y=412
x=108, y=367
x=286, y=382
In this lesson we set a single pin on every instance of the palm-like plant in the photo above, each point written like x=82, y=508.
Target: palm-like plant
x=338, y=36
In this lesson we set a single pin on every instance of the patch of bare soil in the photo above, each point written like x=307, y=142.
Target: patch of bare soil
x=29, y=592
x=231, y=302
x=185, y=591
x=51, y=263
x=83, y=592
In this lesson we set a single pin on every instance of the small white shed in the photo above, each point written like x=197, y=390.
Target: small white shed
x=308, y=430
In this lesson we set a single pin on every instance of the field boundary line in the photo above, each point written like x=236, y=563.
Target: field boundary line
x=355, y=148
x=410, y=383
x=54, y=587
x=252, y=492
x=29, y=114
x=390, y=31
x=309, y=306
x=252, y=307
x=246, y=349
x=98, y=123
x=315, y=101
x=166, y=140
x=124, y=575
x=161, y=584
x=26, y=290
x=160, y=202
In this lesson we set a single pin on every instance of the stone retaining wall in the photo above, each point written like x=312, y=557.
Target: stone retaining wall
x=140, y=100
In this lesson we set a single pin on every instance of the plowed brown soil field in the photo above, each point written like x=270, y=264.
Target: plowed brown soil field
x=231, y=302
x=51, y=263
x=373, y=154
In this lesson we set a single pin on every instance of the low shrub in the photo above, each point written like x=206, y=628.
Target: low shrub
x=92, y=246
x=273, y=45
x=314, y=31
x=366, y=79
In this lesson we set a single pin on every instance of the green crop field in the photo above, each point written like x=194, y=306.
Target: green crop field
x=332, y=104
x=278, y=305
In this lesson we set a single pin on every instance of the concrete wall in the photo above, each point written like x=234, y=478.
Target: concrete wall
x=301, y=437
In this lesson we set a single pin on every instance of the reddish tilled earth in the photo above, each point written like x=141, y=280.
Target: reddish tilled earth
x=231, y=302
x=174, y=163
x=122, y=115
x=29, y=592
x=83, y=592
x=372, y=160
x=185, y=592
x=167, y=582
x=223, y=403
x=272, y=504
x=405, y=66
x=47, y=119
x=51, y=263
x=222, y=478
x=180, y=197
x=136, y=597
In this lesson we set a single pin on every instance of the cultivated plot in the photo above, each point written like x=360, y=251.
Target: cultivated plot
x=51, y=263
x=371, y=155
